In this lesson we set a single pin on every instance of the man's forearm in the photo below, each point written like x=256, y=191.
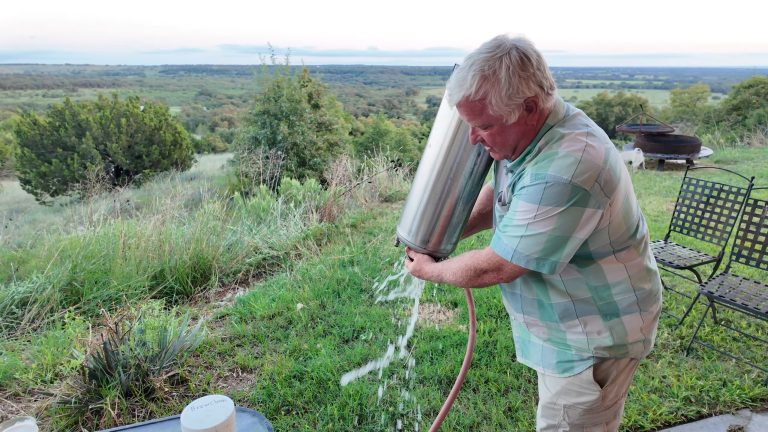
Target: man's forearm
x=481, y=217
x=474, y=269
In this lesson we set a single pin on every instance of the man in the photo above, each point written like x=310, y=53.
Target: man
x=570, y=247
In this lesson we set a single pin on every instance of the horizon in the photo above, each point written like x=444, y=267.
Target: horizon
x=760, y=68
x=427, y=57
x=592, y=33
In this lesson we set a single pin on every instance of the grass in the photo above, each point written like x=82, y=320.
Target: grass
x=281, y=345
x=298, y=355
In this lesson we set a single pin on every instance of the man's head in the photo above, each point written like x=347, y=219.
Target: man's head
x=504, y=90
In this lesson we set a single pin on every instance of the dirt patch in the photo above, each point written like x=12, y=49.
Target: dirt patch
x=13, y=405
x=236, y=381
x=435, y=314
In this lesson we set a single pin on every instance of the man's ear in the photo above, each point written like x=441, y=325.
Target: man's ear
x=531, y=108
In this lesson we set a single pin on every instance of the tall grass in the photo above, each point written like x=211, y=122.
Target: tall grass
x=172, y=239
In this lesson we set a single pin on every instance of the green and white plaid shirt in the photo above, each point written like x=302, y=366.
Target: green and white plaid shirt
x=565, y=209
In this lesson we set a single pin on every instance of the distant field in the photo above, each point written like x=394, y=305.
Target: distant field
x=657, y=98
x=421, y=98
x=362, y=89
x=592, y=81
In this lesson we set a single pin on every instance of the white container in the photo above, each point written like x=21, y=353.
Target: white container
x=20, y=424
x=212, y=413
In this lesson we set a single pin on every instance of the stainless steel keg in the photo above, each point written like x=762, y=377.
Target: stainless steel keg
x=445, y=188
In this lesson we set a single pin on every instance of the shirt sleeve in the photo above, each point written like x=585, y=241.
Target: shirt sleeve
x=545, y=225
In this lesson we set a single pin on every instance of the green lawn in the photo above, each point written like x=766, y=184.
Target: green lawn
x=293, y=358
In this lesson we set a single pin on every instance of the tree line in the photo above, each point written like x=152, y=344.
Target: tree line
x=297, y=122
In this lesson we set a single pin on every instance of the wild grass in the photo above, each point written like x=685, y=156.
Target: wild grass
x=164, y=250
x=175, y=239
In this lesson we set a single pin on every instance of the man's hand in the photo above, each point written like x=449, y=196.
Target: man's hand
x=473, y=269
x=419, y=264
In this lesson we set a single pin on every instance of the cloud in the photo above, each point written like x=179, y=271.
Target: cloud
x=331, y=53
x=174, y=51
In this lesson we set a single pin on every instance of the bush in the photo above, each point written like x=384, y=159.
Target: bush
x=381, y=136
x=209, y=143
x=746, y=106
x=609, y=111
x=7, y=150
x=126, y=141
x=294, y=116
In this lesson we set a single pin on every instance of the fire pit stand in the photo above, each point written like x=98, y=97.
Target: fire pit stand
x=657, y=141
x=661, y=158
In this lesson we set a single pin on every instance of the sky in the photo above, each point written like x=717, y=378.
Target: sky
x=394, y=32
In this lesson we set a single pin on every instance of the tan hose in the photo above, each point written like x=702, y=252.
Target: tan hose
x=464, y=365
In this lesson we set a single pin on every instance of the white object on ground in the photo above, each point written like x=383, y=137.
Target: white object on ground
x=635, y=157
x=212, y=413
x=21, y=424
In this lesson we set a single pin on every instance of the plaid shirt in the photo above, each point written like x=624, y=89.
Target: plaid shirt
x=566, y=211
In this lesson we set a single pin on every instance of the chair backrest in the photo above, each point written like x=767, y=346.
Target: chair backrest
x=707, y=210
x=750, y=247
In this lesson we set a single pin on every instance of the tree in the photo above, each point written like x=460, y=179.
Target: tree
x=125, y=142
x=746, y=106
x=400, y=144
x=690, y=104
x=609, y=111
x=296, y=117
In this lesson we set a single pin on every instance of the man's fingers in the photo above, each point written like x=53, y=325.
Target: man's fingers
x=408, y=253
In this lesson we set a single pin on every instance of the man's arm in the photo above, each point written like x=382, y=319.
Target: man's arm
x=481, y=217
x=478, y=268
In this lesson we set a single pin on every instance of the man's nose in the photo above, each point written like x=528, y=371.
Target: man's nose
x=474, y=137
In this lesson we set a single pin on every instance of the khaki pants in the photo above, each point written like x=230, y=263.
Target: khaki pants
x=591, y=401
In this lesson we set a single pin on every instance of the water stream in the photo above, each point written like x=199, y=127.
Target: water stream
x=398, y=286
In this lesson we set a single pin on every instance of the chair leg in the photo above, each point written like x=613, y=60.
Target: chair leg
x=698, y=276
x=695, y=332
x=687, y=311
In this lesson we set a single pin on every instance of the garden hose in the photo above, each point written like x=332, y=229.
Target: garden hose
x=464, y=365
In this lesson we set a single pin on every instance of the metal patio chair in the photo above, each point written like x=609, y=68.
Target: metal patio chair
x=705, y=210
x=736, y=292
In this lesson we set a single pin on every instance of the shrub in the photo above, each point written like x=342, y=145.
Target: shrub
x=296, y=117
x=609, y=111
x=7, y=150
x=209, y=143
x=132, y=364
x=128, y=141
x=381, y=136
x=746, y=106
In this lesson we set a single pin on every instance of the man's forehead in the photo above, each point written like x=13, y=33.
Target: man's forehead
x=475, y=109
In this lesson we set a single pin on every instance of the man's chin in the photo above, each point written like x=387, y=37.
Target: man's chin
x=496, y=156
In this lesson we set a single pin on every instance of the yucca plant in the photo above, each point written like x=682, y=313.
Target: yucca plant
x=131, y=365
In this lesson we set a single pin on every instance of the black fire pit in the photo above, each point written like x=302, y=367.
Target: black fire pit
x=663, y=147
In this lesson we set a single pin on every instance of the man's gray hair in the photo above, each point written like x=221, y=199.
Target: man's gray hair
x=504, y=72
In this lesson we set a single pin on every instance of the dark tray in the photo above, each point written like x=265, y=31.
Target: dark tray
x=645, y=128
x=247, y=420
